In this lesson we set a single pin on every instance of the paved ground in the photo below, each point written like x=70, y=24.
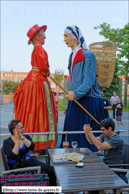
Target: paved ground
x=7, y=112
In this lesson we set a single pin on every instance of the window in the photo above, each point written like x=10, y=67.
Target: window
x=52, y=85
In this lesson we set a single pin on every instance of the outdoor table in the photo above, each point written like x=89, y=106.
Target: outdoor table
x=92, y=176
x=92, y=157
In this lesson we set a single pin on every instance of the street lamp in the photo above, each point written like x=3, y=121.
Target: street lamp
x=2, y=87
x=125, y=92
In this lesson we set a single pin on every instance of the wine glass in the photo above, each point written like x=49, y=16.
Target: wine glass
x=74, y=144
x=65, y=145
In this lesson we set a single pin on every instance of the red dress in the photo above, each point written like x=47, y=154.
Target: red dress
x=33, y=101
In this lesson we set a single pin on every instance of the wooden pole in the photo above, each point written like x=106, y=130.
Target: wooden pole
x=75, y=100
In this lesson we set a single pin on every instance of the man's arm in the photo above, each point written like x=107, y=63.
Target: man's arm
x=108, y=108
x=96, y=142
x=88, y=138
x=111, y=101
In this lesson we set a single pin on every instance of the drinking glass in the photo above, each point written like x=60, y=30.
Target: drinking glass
x=65, y=145
x=74, y=144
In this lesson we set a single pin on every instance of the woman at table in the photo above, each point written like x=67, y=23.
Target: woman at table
x=33, y=99
x=17, y=149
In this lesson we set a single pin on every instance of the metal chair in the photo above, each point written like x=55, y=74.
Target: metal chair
x=125, y=166
x=125, y=163
x=5, y=167
x=115, y=168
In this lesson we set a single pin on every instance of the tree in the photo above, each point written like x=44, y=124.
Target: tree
x=9, y=86
x=59, y=76
x=119, y=37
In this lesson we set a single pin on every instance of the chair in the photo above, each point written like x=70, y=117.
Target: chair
x=124, y=169
x=5, y=167
x=126, y=160
x=124, y=165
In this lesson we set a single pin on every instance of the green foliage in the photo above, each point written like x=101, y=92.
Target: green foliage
x=9, y=86
x=59, y=74
x=14, y=86
x=119, y=37
x=60, y=105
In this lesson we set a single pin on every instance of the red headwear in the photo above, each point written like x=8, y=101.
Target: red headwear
x=34, y=30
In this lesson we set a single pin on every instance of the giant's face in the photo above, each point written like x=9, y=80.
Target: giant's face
x=68, y=39
x=42, y=37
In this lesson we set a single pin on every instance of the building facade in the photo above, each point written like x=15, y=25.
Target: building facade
x=20, y=76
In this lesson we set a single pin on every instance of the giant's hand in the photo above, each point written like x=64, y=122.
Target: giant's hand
x=70, y=96
x=48, y=74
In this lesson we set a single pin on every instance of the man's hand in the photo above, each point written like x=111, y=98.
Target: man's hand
x=70, y=96
x=87, y=128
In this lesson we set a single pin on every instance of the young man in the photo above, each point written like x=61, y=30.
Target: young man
x=83, y=87
x=109, y=141
x=107, y=105
x=113, y=102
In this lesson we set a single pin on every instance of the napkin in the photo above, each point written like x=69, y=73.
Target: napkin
x=57, y=157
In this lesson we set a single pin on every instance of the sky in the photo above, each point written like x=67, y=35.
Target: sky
x=17, y=17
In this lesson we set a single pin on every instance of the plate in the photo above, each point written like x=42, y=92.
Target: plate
x=73, y=156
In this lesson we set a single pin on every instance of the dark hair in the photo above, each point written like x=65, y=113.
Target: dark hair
x=107, y=123
x=12, y=124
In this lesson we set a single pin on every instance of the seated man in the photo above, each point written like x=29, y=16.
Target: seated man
x=109, y=141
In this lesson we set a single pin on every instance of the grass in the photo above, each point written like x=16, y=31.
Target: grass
x=61, y=107
x=125, y=109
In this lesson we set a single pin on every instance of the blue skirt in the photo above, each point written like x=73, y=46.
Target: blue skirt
x=76, y=118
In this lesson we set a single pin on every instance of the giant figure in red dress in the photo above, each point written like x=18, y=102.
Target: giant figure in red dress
x=33, y=99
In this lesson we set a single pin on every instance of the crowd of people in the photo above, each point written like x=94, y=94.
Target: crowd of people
x=116, y=105
x=36, y=107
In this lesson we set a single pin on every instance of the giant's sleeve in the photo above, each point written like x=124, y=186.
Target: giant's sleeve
x=42, y=60
x=89, y=76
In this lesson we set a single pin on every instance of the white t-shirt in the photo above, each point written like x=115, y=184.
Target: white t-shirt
x=114, y=99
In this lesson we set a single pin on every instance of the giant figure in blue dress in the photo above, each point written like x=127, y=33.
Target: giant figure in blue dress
x=83, y=87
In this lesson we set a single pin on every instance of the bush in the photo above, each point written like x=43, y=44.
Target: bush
x=9, y=87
